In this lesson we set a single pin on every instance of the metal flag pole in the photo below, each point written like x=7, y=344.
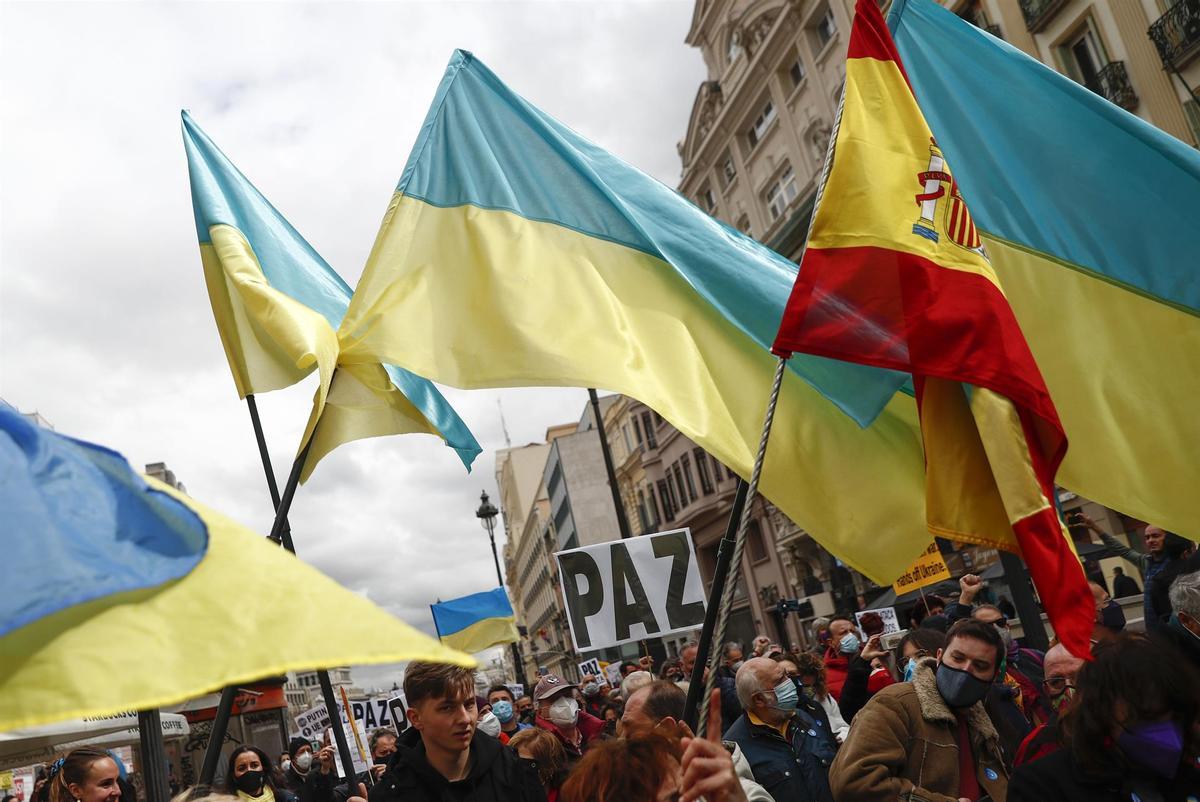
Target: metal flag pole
x=715, y=593
x=281, y=533
x=739, y=544
x=691, y=711
x=154, y=756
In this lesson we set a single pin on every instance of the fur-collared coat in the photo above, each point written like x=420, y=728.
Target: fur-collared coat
x=903, y=745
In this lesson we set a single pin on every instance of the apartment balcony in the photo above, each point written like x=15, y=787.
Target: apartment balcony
x=1038, y=13
x=1176, y=34
x=1112, y=83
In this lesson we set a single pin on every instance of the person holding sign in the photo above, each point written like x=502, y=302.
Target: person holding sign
x=443, y=755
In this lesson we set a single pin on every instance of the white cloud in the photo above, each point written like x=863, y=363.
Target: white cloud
x=104, y=321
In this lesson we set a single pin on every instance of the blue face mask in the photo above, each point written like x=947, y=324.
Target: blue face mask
x=910, y=670
x=786, y=697
x=503, y=710
x=848, y=644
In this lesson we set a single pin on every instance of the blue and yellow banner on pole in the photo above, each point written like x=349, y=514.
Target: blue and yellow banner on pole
x=475, y=622
x=125, y=594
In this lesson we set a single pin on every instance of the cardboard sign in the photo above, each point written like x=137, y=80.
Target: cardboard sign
x=518, y=690
x=589, y=667
x=626, y=590
x=888, y=614
x=357, y=741
x=929, y=569
x=613, y=672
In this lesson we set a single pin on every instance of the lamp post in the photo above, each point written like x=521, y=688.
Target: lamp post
x=486, y=514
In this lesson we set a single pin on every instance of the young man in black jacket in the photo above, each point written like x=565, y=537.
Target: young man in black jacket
x=442, y=757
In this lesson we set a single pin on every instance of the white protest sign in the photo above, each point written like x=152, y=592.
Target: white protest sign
x=591, y=667
x=358, y=749
x=613, y=671
x=398, y=713
x=626, y=590
x=888, y=614
x=372, y=713
x=518, y=690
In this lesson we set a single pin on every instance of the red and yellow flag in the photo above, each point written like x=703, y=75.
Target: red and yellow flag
x=895, y=276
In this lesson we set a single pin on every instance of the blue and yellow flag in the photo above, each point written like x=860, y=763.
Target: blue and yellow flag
x=1088, y=215
x=473, y=623
x=123, y=594
x=585, y=272
x=278, y=304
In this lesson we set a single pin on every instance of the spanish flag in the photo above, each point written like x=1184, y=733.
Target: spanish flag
x=475, y=622
x=124, y=594
x=895, y=276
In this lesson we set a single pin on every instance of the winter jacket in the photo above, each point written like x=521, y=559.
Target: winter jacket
x=792, y=769
x=904, y=745
x=1181, y=639
x=836, y=666
x=321, y=787
x=741, y=767
x=590, y=729
x=1060, y=778
x=496, y=775
x=731, y=708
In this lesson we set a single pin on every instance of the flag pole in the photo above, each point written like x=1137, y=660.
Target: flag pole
x=691, y=710
x=739, y=543
x=281, y=533
x=720, y=574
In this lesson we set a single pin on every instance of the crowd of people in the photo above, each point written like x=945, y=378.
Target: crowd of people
x=956, y=709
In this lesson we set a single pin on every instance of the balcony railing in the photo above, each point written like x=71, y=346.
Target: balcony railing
x=1176, y=34
x=1112, y=83
x=1038, y=12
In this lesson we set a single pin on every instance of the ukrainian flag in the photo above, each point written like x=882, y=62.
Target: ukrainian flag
x=277, y=304
x=123, y=594
x=517, y=253
x=1089, y=216
x=476, y=622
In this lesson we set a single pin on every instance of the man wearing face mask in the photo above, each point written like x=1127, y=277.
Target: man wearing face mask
x=785, y=736
x=844, y=644
x=931, y=738
x=501, y=700
x=559, y=714
x=1062, y=669
x=300, y=757
x=1183, y=628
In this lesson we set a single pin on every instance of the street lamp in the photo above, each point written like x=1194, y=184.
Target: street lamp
x=486, y=514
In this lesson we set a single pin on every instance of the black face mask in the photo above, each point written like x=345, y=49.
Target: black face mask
x=250, y=783
x=381, y=761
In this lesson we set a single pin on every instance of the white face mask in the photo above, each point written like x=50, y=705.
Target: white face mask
x=303, y=761
x=489, y=724
x=285, y=765
x=564, y=711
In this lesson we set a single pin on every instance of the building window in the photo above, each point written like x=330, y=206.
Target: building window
x=796, y=72
x=743, y=225
x=642, y=514
x=685, y=464
x=683, y=496
x=666, y=495
x=759, y=127
x=1192, y=110
x=658, y=419
x=652, y=506
x=1084, y=55
x=628, y=439
x=825, y=29
x=648, y=427
x=781, y=192
x=754, y=543
x=637, y=431
x=560, y=518
x=706, y=482
x=555, y=478
x=728, y=169
x=708, y=200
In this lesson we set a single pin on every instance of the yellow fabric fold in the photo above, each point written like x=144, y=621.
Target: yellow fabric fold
x=233, y=619
x=482, y=635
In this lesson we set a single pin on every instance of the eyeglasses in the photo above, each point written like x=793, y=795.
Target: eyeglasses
x=1057, y=684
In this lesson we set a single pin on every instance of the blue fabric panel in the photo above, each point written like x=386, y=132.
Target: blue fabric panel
x=79, y=524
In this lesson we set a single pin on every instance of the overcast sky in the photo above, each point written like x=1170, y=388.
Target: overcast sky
x=105, y=326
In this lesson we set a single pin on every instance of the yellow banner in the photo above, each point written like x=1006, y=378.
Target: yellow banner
x=6, y=780
x=928, y=569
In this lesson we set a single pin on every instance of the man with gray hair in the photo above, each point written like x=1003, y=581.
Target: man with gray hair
x=1183, y=627
x=785, y=736
x=634, y=681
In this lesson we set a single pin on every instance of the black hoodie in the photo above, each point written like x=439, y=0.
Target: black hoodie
x=496, y=774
